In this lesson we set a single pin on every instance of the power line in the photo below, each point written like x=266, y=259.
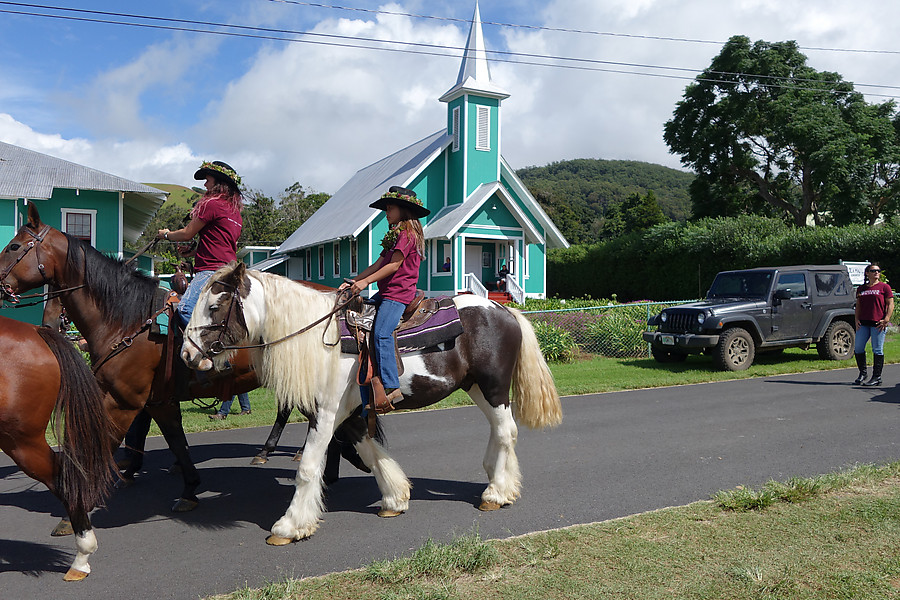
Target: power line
x=558, y=29
x=582, y=64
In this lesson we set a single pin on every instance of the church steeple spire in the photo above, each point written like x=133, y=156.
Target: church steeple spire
x=474, y=73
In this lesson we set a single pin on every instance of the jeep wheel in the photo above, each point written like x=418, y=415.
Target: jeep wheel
x=837, y=343
x=735, y=351
x=666, y=356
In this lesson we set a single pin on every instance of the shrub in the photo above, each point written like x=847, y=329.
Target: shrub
x=617, y=333
x=557, y=344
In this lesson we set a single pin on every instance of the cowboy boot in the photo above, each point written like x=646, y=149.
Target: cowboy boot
x=877, y=366
x=861, y=364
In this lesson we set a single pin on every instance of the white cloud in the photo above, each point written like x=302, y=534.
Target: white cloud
x=313, y=113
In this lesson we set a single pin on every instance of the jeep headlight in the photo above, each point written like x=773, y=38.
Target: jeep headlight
x=664, y=317
x=701, y=317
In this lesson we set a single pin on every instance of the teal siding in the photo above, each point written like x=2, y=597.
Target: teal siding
x=456, y=194
x=536, y=265
x=483, y=165
x=494, y=213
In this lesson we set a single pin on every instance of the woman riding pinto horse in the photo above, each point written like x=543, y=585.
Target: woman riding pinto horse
x=496, y=352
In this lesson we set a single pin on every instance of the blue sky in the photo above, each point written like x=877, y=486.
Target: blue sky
x=150, y=104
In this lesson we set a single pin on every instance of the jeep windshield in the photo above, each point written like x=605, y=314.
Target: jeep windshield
x=741, y=284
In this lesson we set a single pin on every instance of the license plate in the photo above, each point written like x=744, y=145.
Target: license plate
x=667, y=340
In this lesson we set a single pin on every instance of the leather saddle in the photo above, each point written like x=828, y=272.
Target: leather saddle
x=360, y=318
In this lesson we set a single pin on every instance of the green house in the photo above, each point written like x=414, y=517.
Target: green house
x=482, y=215
x=99, y=208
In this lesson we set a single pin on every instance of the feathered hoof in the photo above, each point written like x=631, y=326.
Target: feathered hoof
x=385, y=513
x=259, y=460
x=183, y=505
x=277, y=540
x=64, y=527
x=487, y=506
x=74, y=575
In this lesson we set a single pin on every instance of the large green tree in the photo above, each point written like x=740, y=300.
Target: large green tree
x=768, y=134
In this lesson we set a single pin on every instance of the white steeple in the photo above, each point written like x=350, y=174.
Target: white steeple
x=474, y=73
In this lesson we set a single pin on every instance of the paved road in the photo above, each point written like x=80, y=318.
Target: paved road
x=615, y=454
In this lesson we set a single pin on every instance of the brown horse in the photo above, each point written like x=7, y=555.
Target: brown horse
x=109, y=302
x=44, y=378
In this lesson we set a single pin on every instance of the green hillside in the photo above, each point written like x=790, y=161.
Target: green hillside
x=180, y=196
x=575, y=193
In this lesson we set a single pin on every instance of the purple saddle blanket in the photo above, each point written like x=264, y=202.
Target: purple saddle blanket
x=442, y=326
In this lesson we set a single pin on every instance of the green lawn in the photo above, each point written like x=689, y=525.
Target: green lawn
x=586, y=376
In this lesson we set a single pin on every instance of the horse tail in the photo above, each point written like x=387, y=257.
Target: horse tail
x=86, y=436
x=535, y=399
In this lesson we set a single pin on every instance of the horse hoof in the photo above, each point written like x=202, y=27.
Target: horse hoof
x=259, y=460
x=276, y=540
x=488, y=506
x=182, y=505
x=387, y=514
x=74, y=575
x=64, y=527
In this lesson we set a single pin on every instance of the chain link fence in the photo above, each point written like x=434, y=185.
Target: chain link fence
x=613, y=330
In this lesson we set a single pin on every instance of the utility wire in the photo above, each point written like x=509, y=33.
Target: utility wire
x=268, y=34
x=557, y=29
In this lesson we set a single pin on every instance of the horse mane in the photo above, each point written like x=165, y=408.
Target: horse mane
x=123, y=294
x=304, y=365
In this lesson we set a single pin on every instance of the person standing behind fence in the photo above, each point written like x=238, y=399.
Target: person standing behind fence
x=874, y=307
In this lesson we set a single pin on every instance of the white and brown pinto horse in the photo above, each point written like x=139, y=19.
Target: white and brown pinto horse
x=497, y=352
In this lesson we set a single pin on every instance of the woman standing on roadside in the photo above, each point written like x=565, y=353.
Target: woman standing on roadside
x=874, y=307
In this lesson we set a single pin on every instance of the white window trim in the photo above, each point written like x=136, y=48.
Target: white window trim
x=64, y=212
x=336, y=259
x=321, y=261
x=483, y=128
x=354, y=256
x=307, y=267
x=455, y=126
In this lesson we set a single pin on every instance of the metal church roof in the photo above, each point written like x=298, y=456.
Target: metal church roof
x=32, y=175
x=347, y=213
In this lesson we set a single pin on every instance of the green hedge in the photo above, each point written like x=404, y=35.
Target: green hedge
x=676, y=261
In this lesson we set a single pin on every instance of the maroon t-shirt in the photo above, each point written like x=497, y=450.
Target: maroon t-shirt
x=217, y=245
x=871, y=301
x=401, y=286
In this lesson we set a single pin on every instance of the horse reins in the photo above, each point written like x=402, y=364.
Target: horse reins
x=218, y=347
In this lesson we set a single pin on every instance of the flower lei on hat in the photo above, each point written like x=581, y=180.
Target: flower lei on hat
x=399, y=196
x=390, y=238
x=214, y=167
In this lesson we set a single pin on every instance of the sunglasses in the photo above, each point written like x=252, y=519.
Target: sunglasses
x=873, y=270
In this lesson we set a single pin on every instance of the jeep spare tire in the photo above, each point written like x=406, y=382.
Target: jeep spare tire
x=735, y=351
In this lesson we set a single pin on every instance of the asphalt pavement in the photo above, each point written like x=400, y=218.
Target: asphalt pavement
x=615, y=454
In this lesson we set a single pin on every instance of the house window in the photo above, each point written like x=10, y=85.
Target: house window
x=336, y=251
x=483, y=137
x=321, y=262
x=307, y=266
x=354, y=257
x=80, y=224
x=455, y=131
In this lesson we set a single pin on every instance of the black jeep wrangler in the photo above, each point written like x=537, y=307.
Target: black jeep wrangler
x=761, y=310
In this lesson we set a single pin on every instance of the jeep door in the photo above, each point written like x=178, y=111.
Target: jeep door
x=792, y=317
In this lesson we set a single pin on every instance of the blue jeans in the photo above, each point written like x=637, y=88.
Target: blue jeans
x=243, y=400
x=386, y=321
x=862, y=336
x=192, y=294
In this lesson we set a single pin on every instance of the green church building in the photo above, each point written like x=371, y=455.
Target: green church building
x=482, y=215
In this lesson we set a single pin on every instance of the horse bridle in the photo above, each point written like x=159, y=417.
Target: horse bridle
x=6, y=291
x=218, y=346
x=33, y=244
